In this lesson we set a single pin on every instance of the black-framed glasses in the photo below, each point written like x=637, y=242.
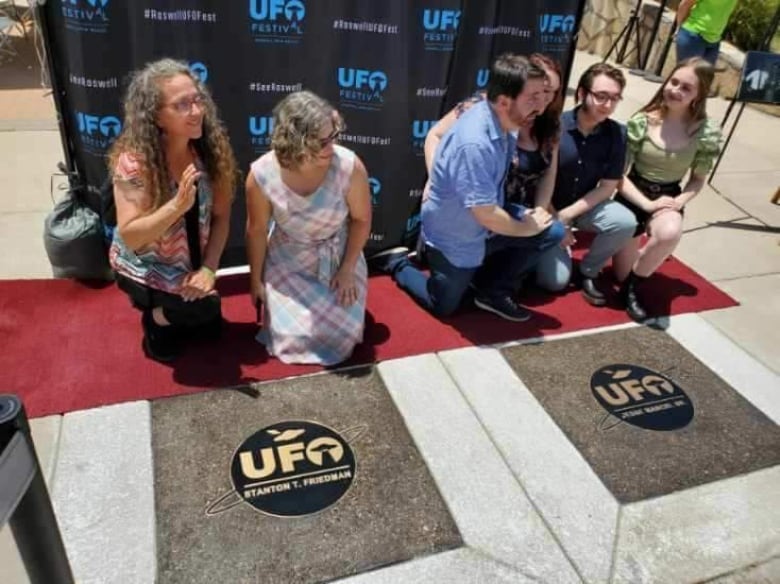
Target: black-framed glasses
x=184, y=106
x=602, y=97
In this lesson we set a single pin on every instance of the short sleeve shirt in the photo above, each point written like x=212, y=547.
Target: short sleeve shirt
x=469, y=169
x=708, y=18
x=583, y=161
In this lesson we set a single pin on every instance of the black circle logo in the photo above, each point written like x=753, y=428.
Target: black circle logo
x=293, y=468
x=641, y=397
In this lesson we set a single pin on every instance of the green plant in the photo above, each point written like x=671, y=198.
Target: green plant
x=749, y=22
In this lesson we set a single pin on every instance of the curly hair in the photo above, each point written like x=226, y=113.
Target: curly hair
x=547, y=125
x=298, y=120
x=142, y=137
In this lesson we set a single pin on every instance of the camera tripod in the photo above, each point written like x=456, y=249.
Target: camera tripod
x=632, y=26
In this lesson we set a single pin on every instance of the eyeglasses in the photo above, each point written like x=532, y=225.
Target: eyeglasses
x=334, y=135
x=184, y=106
x=602, y=97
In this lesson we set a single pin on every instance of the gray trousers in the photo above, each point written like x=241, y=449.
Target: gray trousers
x=613, y=225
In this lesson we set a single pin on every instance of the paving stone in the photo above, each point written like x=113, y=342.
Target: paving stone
x=752, y=325
x=765, y=573
x=103, y=494
x=730, y=362
x=463, y=566
x=490, y=507
x=727, y=436
x=28, y=260
x=543, y=460
x=391, y=513
x=727, y=245
x=731, y=524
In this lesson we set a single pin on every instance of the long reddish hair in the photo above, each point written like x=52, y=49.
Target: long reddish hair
x=547, y=125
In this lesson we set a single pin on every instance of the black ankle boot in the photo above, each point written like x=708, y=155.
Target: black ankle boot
x=160, y=343
x=628, y=293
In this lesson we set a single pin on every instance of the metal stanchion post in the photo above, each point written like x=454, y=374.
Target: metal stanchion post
x=33, y=523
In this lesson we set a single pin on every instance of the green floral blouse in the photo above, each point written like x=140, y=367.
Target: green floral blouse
x=657, y=164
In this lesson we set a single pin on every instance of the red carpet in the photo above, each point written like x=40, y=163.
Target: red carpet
x=68, y=346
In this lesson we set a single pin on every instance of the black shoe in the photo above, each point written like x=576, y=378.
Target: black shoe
x=388, y=261
x=504, y=307
x=628, y=294
x=591, y=292
x=160, y=343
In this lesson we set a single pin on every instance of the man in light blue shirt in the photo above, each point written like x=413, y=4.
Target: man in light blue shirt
x=468, y=171
x=469, y=238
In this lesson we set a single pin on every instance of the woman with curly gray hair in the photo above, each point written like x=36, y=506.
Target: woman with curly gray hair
x=174, y=175
x=310, y=273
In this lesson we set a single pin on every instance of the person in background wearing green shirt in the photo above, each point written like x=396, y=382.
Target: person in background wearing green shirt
x=668, y=137
x=701, y=25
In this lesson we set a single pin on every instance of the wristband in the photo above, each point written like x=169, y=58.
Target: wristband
x=209, y=271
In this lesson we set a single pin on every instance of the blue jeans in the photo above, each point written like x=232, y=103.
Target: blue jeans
x=614, y=226
x=689, y=44
x=506, y=260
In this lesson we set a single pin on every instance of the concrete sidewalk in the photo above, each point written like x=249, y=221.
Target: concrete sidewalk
x=732, y=236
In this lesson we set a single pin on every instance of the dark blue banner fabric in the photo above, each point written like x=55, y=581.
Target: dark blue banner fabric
x=391, y=68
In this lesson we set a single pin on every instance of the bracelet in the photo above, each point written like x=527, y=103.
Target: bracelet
x=209, y=271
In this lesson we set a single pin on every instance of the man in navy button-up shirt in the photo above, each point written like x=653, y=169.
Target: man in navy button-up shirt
x=591, y=162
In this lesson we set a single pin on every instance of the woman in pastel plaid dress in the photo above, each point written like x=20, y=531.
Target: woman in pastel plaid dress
x=309, y=273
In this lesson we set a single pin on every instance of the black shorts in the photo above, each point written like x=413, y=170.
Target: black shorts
x=652, y=191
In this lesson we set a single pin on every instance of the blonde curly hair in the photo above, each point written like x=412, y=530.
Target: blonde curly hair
x=298, y=121
x=141, y=136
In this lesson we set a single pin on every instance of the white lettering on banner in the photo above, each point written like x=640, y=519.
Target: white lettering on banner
x=272, y=87
x=508, y=30
x=363, y=26
x=110, y=83
x=757, y=79
x=555, y=39
x=179, y=15
x=367, y=140
x=431, y=91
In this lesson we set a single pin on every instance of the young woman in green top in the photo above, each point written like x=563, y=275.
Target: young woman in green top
x=668, y=137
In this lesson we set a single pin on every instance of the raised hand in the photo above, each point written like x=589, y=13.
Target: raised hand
x=185, y=195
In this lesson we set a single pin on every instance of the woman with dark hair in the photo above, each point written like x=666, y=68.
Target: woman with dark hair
x=531, y=177
x=309, y=274
x=667, y=138
x=172, y=159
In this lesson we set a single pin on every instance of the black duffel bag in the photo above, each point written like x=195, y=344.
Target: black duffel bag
x=75, y=240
